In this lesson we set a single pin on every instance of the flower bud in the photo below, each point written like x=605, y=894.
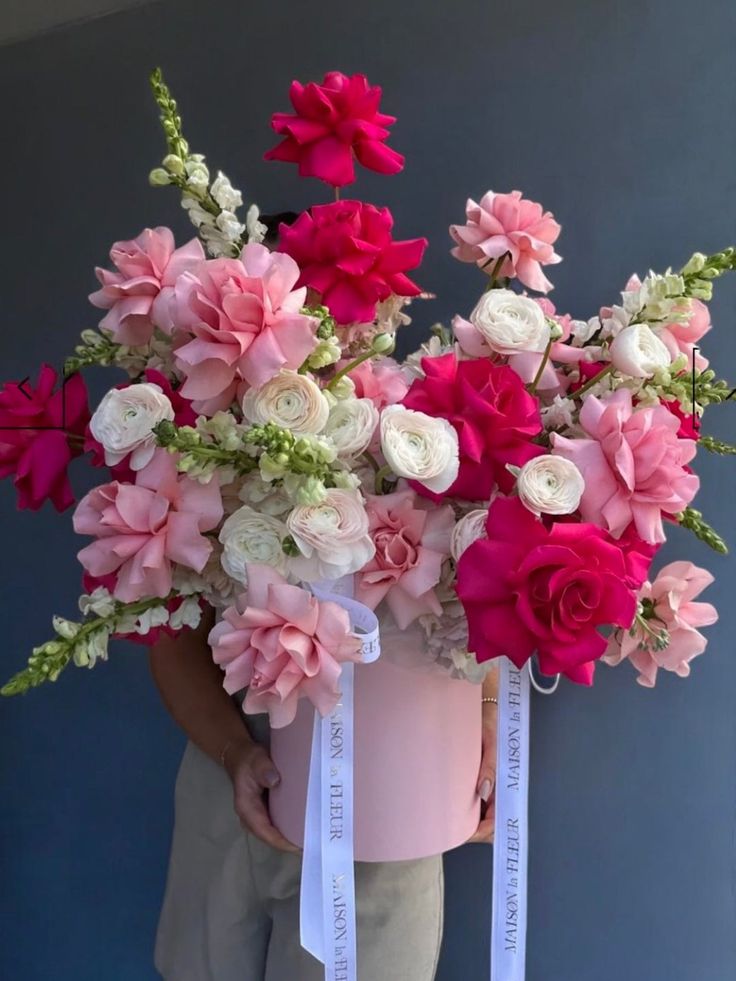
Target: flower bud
x=158, y=177
x=383, y=344
x=173, y=164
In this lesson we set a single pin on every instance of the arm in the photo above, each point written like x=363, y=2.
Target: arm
x=487, y=774
x=190, y=684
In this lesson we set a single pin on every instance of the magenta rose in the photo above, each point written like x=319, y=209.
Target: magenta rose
x=333, y=124
x=530, y=588
x=346, y=253
x=283, y=644
x=136, y=294
x=38, y=459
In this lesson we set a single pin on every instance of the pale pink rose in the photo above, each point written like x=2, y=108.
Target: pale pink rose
x=283, y=644
x=503, y=223
x=668, y=605
x=381, y=380
x=142, y=528
x=244, y=315
x=683, y=338
x=412, y=539
x=137, y=294
x=633, y=464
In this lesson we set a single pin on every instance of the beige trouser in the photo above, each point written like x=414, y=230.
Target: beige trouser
x=231, y=909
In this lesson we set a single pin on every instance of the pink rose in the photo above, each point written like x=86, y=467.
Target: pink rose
x=38, y=459
x=379, y=379
x=283, y=644
x=346, y=253
x=634, y=465
x=532, y=588
x=136, y=295
x=246, y=321
x=334, y=123
x=667, y=605
x=683, y=338
x=411, y=542
x=142, y=528
x=508, y=223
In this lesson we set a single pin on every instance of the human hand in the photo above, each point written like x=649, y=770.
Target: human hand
x=487, y=776
x=252, y=772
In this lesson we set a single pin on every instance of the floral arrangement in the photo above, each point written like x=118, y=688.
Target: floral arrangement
x=507, y=487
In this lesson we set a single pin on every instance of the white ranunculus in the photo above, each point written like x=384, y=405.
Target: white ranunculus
x=124, y=420
x=332, y=537
x=469, y=529
x=510, y=323
x=291, y=401
x=550, y=485
x=351, y=425
x=638, y=352
x=249, y=536
x=420, y=447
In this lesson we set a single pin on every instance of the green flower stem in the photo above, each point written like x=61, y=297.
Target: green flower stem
x=493, y=279
x=714, y=445
x=693, y=521
x=381, y=474
x=542, y=366
x=375, y=465
x=592, y=381
x=336, y=378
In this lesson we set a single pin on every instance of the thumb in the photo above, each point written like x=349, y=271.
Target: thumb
x=264, y=772
x=486, y=777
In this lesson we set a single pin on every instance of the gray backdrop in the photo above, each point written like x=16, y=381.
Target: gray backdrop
x=617, y=116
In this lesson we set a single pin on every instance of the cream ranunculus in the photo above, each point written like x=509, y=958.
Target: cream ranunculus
x=469, y=529
x=351, y=425
x=248, y=536
x=638, y=352
x=510, y=323
x=550, y=485
x=291, y=401
x=420, y=447
x=124, y=420
x=332, y=537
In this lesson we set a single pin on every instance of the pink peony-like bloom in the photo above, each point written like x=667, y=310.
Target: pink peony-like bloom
x=38, y=458
x=508, y=223
x=142, y=528
x=412, y=541
x=530, y=588
x=137, y=294
x=494, y=416
x=333, y=123
x=683, y=338
x=346, y=253
x=246, y=321
x=283, y=644
x=667, y=605
x=633, y=463
x=379, y=379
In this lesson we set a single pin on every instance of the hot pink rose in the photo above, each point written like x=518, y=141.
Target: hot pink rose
x=379, y=379
x=531, y=588
x=38, y=458
x=633, y=463
x=247, y=325
x=494, y=415
x=411, y=542
x=667, y=605
x=346, y=253
x=136, y=295
x=142, y=528
x=283, y=644
x=508, y=223
x=689, y=423
x=335, y=122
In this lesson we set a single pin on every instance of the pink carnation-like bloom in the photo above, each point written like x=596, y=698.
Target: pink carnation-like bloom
x=346, y=253
x=412, y=541
x=244, y=315
x=38, y=459
x=633, y=463
x=283, y=644
x=142, y=528
x=333, y=123
x=137, y=294
x=494, y=416
x=508, y=223
x=530, y=588
x=379, y=379
x=668, y=605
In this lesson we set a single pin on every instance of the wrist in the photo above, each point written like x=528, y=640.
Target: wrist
x=233, y=751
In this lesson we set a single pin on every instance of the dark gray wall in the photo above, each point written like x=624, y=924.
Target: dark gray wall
x=620, y=118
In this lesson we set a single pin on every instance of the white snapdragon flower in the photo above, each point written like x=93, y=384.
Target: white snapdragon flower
x=291, y=401
x=249, y=536
x=331, y=536
x=351, y=425
x=255, y=229
x=187, y=614
x=510, y=323
x=559, y=414
x=124, y=420
x=550, y=485
x=227, y=196
x=154, y=616
x=638, y=352
x=469, y=529
x=420, y=447
x=100, y=602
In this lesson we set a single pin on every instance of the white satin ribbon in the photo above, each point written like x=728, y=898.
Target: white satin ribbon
x=510, y=848
x=327, y=919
